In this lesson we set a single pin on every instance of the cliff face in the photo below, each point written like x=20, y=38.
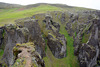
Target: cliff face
x=88, y=51
x=50, y=30
x=14, y=34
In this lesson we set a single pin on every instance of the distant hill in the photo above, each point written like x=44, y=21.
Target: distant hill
x=57, y=5
x=6, y=5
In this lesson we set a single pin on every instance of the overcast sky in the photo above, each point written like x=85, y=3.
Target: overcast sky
x=95, y=4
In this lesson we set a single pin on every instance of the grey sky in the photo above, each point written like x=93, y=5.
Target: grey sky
x=95, y=4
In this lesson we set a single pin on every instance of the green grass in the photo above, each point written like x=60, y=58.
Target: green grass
x=75, y=34
x=85, y=38
x=1, y=53
x=71, y=59
x=9, y=15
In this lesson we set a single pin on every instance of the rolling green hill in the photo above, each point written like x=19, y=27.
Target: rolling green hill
x=10, y=15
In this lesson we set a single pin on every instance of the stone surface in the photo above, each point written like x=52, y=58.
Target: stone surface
x=57, y=45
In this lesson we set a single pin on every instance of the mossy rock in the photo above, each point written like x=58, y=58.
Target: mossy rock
x=20, y=62
x=11, y=26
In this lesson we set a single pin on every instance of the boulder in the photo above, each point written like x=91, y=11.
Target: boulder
x=57, y=45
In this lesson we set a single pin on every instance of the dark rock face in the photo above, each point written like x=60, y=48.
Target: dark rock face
x=1, y=36
x=56, y=41
x=35, y=35
x=13, y=36
x=88, y=52
x=29, y=32
x=56, y=25
x=63, y=18
x=57, y=45
x=48, y=20
x=50, y=24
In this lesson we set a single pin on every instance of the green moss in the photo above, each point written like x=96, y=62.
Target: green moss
x=1, y=53
x=20, y=62
x=55, y=29
x=3, y=33
x=74, y=25
x=25, y=31
x=75, y=34
x=15, y=51
x=11, y=26
x=86, y=28
x=3, y=63
x=52, y=35
x=85, y=38
x=30, y=44
x=34, y=65
x=61, y=42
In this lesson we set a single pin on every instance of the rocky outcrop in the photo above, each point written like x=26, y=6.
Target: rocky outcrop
x=63, y=17
x=56, y=41
x=89, y=52
x=26, y=56
x=50, y=24
x=57, y=45
x=1, y=36
x=27, y=31
x=12, y=37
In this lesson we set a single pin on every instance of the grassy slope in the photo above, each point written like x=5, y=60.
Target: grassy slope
x=9, y=15
x=1, y=53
